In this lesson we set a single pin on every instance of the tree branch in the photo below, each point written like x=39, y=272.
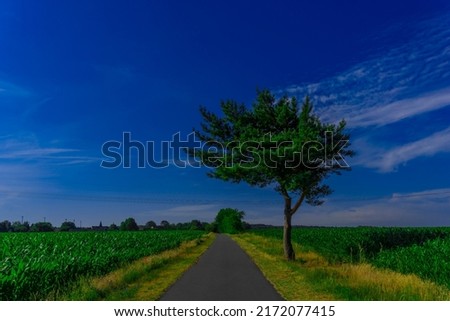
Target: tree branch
x=284, y=192
x=299, y=202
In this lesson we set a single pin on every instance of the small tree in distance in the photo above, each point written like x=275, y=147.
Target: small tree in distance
x=5, y=226
x=277, y=144
x=113, y=227
x=67, y=226
x=195, y=225
x=129, y=225
x=20, y=227
x=164, y=225
x=41, y=227
x=229, y=220
x=150, y=225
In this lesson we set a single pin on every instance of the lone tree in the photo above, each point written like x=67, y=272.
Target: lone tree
x=229, y=220
x=275, y=143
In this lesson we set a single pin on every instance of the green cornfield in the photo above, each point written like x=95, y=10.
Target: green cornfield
x=37, y=266
x=422, y=251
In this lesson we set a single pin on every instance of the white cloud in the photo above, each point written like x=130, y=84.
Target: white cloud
x=34, y=153
x=27, y=148
x=433, y=194
x=423, y=208
x=25, y=168
x=404, y=81
x=386, y=160
x=399, y=110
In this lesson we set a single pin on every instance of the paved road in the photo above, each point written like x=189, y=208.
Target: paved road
x=223, y=273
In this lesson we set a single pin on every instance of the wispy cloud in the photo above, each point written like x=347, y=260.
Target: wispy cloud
x=402, y=109
x=18, y=103
x=19, y=178
x=34, y=153
x=386, y=160
x=27, y=148
x=8, y=89
x=405, y=81
x=433, y=195
x=26, y=166
x=422, y=208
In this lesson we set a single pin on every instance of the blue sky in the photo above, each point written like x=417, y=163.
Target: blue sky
x=75, y=74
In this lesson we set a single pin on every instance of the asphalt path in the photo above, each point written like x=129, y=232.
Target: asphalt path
x=223, y=273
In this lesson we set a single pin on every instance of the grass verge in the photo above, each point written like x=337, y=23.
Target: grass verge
x=312, y=277
x=144, y=279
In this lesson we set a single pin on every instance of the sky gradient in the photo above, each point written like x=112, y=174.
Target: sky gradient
x=75, y=74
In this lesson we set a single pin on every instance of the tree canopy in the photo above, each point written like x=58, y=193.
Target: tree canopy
x=67, y=226
x=150, y=225
x=129, y=225
x=275, y=143
x=229, y=220
x=42, y=227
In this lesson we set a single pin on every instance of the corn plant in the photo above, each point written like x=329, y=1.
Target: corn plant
x=35, y=265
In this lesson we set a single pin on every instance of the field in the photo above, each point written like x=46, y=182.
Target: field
x=424, y=252
x=336, y=263
x=38, y=266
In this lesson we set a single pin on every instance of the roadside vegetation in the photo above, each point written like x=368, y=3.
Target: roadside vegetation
x=144, y=279
x=40, y=266
x=355, y=263
x=132, y=262
x=102, y=262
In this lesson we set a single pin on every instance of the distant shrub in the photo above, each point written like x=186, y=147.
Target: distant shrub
x=42, y=227
x=211, y=227
x=229, y=220
x=67, y=226
x=129, y=225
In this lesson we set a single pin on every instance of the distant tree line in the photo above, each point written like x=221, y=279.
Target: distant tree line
x=127, y=225
x=130, y=225
x=7, y=226
x=228, y=220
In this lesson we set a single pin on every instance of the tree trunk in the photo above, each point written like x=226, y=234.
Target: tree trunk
x=289, y=253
